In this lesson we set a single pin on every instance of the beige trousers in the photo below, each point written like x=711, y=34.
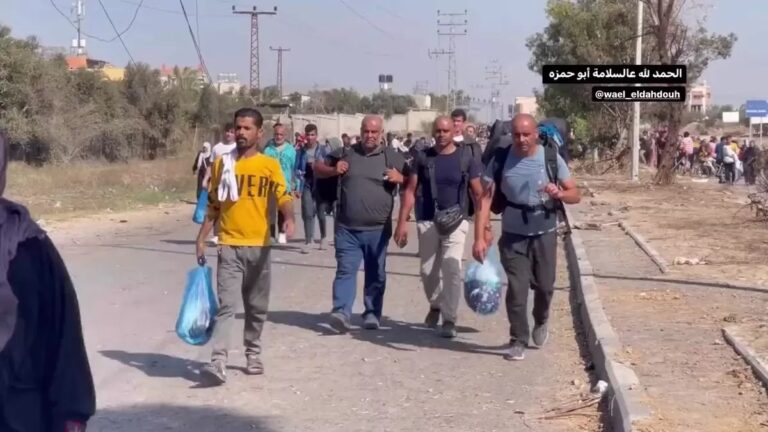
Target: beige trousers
x=441, y=269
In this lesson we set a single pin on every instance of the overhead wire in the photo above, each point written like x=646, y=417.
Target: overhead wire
x=119, y=36
x=176, y=12
x=194, y=41
x=364, y=18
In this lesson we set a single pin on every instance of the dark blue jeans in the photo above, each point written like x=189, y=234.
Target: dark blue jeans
x=353, y=246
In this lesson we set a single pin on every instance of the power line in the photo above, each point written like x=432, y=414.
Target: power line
x=173, y=11
x=119, y=36
x=197, y=22
x=362, y=17
x=194, y=41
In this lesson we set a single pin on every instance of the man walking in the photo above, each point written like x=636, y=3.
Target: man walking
x=369, y=175
x=443, y=176
x=285, y=153
x=219, y=149
x=529, y=180
x=317, y=195
x=242, y=185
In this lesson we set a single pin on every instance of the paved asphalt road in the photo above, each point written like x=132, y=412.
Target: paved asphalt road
x=130, y=277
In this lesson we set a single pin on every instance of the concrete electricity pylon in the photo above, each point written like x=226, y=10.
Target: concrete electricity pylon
x=495, y=76
x=453, y=29
x=280, y=51
x=255, y=78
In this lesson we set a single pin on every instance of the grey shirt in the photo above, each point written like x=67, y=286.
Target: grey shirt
x=523, y=181
x=366, y=200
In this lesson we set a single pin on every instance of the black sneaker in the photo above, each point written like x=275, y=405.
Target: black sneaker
x=253, y=365
x=339, y=322
x=449, y=330
x=214, y=373
x=370, y=322
x=433, y=318
x=515, y=352
x=540, y=334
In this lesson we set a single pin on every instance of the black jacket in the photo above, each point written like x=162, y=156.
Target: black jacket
x=45, y=379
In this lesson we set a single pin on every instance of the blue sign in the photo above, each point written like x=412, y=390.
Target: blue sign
x=757, y=108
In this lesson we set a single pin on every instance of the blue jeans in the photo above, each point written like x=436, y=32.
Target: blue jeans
x=353, y=246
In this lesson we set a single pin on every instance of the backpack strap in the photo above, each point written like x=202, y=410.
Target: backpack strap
x=338, y=181
x=550, y=159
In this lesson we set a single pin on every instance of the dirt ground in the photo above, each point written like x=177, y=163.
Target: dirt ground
x=672, y=332
x=129, y=271
x=706, y=221
x=60, y=192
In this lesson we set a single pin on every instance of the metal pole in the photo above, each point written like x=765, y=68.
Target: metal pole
x=636, y=108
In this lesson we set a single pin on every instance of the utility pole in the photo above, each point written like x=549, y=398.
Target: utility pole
x=78, y=10
x=255, y=78
x=635, y=176
x=495, y=75
x=280, y=51
x=453, y=29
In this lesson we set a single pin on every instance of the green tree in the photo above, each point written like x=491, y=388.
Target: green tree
x=586, y=32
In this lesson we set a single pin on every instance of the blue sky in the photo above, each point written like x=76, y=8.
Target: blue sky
x=331, y=46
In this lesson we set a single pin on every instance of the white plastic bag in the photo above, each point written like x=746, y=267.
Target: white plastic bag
x=482, y=284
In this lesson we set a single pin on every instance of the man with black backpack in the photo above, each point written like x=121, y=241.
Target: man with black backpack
x=528, y=183
x=369, y=174
x=443, y=175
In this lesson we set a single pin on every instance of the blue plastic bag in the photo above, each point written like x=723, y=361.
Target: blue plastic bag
x=482, y=284
x=201, y=208
x=198, y=307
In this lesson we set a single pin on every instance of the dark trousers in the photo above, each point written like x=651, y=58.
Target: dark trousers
x=530, y=264
x=730, y=172
x=312, y=207
x=352, y=247
x=280, y=220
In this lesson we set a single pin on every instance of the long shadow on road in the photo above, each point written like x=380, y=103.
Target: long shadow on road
x=163, y=418
x=157, y=365
x=395, y=335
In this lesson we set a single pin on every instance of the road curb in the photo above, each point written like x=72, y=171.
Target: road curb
x=657, y=259
x=744, y=350
x=627, y=406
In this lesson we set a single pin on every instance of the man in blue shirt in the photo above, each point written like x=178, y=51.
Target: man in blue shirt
x=443, y=175
x=528, y=243
x=280, y=149
x=317, y=195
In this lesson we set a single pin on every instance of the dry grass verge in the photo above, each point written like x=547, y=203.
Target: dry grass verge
x=63, y=191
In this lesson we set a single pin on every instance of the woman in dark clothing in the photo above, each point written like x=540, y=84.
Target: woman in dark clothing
x=45, y=380
x=201, y=166
x=749, y=158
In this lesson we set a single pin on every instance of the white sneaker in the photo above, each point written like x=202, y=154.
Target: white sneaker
x=213, y=241
x=281, y=239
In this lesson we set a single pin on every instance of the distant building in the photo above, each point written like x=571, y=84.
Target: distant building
x=109, y=71
x=423, y=101
x=228, y=83
x=168, y=76
x=699, y=98
x=526, y=105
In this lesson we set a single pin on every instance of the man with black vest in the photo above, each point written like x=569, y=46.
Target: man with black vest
x=443, y=176
x=527, y=182
x=369, y=174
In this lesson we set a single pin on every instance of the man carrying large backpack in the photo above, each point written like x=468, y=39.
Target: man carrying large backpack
x=444, y=175
x=526, y=182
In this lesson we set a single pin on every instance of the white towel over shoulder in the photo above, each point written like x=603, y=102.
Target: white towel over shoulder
x=228, y=182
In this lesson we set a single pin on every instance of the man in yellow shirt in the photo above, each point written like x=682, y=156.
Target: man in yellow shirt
x=242, y=182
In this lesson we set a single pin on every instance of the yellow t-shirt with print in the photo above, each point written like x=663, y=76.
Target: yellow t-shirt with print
x=246, y=221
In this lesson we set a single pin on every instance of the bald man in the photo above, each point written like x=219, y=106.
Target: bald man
x=528, y=244
x=369, y=175
x=285, y=153
x=441, y=175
